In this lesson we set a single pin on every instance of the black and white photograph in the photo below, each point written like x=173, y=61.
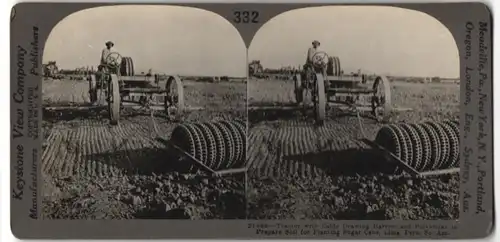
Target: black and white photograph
x=144, y=115
x=353, y=115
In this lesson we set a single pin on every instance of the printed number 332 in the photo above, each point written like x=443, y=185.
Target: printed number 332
x=246, y=16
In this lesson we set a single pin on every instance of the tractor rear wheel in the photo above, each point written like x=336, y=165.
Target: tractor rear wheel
x=114, y=99
x=333, y=66
x=338, y=68
x=127, y=67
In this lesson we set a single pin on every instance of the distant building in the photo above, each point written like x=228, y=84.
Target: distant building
x=50, y=69
x=255, y=68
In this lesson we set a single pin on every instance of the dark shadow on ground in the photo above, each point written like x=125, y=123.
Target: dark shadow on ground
x=347, y=162
x=145, y=161
x=73, y=114
x=272, y=112
x=89, y=112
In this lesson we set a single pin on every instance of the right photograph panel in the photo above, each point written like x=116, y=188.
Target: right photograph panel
x=353, y=115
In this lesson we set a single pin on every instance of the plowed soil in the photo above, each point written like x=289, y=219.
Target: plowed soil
x=301, y=171
x=93, y=170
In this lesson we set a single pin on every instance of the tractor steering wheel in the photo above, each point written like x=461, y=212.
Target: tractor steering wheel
x=320, y=59
x=114, y=59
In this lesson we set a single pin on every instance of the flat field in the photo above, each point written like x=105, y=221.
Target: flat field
x=287, y=156
x=93, y=170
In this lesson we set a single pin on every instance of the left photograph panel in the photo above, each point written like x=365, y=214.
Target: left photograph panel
x=144, y=115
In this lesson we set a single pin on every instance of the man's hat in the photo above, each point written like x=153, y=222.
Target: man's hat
x=315, y=42
x=110, y=43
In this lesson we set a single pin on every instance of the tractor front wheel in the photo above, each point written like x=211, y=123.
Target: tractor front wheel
x=320, y=99
x=299, y=89
x=381, y=99
x=92, y=89
x=114, y=99
x=174, y=97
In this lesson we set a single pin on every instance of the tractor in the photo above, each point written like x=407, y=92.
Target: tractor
x=324, y=83
x=117, y=82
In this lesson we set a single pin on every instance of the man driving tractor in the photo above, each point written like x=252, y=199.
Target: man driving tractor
x=110, y=59
x=315, y=62
x=108, y=63
x=106, y=51
x=311, y=51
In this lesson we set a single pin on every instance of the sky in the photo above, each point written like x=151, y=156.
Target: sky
x=377, y=39
x=167, y=39
x=190, y=41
